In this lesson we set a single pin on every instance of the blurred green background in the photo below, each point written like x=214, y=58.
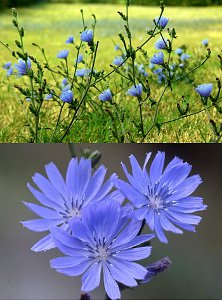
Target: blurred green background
x=196, y=257
x=16, y=3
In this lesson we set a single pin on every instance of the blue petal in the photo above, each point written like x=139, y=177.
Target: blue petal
x=67, y=262
x=187, y=187
x=134, y=242
x=66, y=239
x=76, y=270
x=130, y=193
x=127, y=234
x=187, y=227
x=95, y=183
x=185, y=218
x=137, y=184
x=120, y=276
x=105, y=189
x=158, y=229
x=150, y=219
x=56, y=178
x=173, y=163
x=134, y=254
x=136, y=169
x=129, y=268
x=72, y=176
x=91, y=278
x=156, y=167
x=115, y=196
x=42, y=198
x=47, y=188
x=42, y=211
x=190, y=209
x=75, y=253
x=167, y=225
x=46, y=243
x=82, y=232
x=40, y=224
x=110, y=284
x=176, y=175
x=85, y=168
x=140, y=213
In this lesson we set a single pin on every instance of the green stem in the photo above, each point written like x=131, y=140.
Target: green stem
x=83, y=97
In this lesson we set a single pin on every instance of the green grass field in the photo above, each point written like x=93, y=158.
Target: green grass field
x=50, y=25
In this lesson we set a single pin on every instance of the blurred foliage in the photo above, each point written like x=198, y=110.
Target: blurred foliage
x=16, y=3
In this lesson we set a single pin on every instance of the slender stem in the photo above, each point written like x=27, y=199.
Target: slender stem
x=84, y=95
x=57, y=123
x=155, y=114
x=141, y=115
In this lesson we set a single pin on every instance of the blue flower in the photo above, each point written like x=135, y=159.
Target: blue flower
x=204, y=90
x=179, y=51
x=87, y=36
x=117, y=47
x=67, y=95
x=82, y=72
x=63, y=54
x=161, y=43
x=9, y=72
x=106, y=95
x=22, y=67
x=102, y=242
x=162, y=196
x=205, y=42
x=136, y=90
x=118, y=60
x=184, y=56
x=63, y=200
x=70, y=40
x=157, y=59
x=7, y=65
x=161, y=21
x=64, y=82
x=79, y=58
x=48, y=96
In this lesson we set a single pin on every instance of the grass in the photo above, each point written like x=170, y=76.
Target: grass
x=49, y=25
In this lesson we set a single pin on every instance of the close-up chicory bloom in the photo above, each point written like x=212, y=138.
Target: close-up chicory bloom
x=118, y=60
x=79, y=58
x=103, y=243
x=87, y=36
x=161, y=44
x=106, y=95
x=67, y=95
x=136, y=90
x=158, y=58
x=22, y=67
x=179, y=51
x=162, y=197
x=204, y=90
x=161, y=22
x=63, y=54
x=70, y=40
x=82, y=72
x=7, y=65
x=184, y=56
x=205, y=42
x=62, y=200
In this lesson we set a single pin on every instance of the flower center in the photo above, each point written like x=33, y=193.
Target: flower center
x=155, y=202
x=101, y=253
x=74, y=212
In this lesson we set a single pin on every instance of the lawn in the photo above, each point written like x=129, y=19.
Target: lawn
x=50, y=25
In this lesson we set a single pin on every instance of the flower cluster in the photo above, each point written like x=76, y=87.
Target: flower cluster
x=77, y=213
